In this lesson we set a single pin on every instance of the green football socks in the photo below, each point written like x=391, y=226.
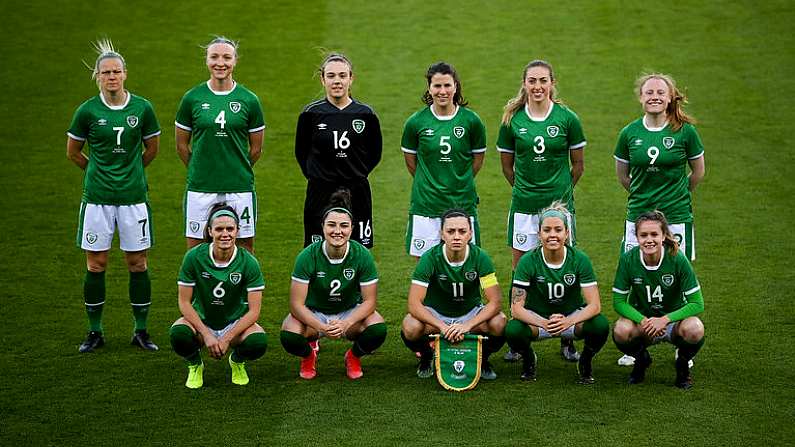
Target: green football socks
x=184, y=343
x=94, y=296
x=295, y=344
x=369, y=340
x=140, y=297
x=251, y=348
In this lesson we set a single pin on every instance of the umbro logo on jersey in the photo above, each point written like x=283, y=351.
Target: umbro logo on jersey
x=637, y=280
x=348, y=274
x=321, y=274
x=522, y=130
x=540, y=278
x=322, y=126
x=206, y=275
x=471, y=275
x=553, y=131
x=428, y=132
x=235, y=277
x=234, y=106
x=102, y=122
x=638, y=142
x=442, y=277
x=569, y=279
x=205, y=106
x=358, y=126
x=668, y=142
x=132, y=120
x=458, y=131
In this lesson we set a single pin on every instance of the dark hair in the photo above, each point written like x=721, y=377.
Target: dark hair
x=445, y=69
x=340, y=201
x=657, y=216
x=456, y=212
x=215, y=208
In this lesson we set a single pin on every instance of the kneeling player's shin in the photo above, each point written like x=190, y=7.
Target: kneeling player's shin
x=518, y=335
x=184, y=343
x=595, y=332
x=420, y=345
x=369, y=340
x=251, y=348
x=295, y=344
x=492, y=344
x=687, y=350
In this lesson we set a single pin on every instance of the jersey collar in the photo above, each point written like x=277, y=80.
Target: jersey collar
x=544, y=118
x=555, y=266
x=455, y=264
x=221, y=265
x=336, y=261
x=651, y=267
x=112, y=107
x=653, y=129
x=443, y=118
x=234, y=86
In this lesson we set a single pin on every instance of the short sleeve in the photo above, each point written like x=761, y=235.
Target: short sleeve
x=485, y=266
x=150, y=127
x=424, y=270
x=78, y=129
x=522, y=276
x=184, y=118
x=622, y=149
x=686, y=275
x=694, y=147
x=585, y=271
x=409, y=143
x=368, y=274
x=576, y=136
x=254, y=279
x=256, y=117
x=505, y=140
x=477, y=135
x=304, y=267
x=187, y=274
x=621, y=284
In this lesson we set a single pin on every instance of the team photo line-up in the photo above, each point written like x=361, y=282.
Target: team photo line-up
x=453, y=289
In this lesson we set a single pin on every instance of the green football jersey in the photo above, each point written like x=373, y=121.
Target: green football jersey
x=114, y=134
x=220, y=293
x=453, y=288
x=444, y=147
x=655, y=290
x=658, y=160
x=541, y=157
x=554, y=289
x=334, y=285
x=220, y=124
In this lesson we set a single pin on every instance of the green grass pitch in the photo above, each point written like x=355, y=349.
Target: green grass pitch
x=735, y=58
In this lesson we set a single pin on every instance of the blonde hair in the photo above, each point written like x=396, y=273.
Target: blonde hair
x=105, y=50
x=559, y=210
x=668, y=238
x=518, y=101
x=221, y=39
x=675, y=110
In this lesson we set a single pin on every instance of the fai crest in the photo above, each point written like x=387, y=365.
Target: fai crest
x=316, y=238
x=667, y=280
x=521, y=238
x=458, y=131
x=569, y=279
x=234, y=106
x=194, y=226
x=668, y=142
x=553, y=131
x=358, y=126
x=348, y=274
x=235, y=277
x=458, y=366
x=132, y=120
x=419, y=243
x=471, y=275
x=91, y=238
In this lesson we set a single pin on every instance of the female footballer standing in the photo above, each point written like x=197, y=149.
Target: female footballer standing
x=219, y=131
x=658, y=298
x=555, y=295
x=653, y=154
x=443, y=144
x=334, y=294
x=116, y=125
x=337, y=145
x=541, y=146
x=220, y=296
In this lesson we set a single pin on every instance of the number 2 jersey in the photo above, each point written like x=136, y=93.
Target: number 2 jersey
x=670, y=288
x=445, y=147
x=220, y=124
x=334, y=284
x=220, y=292
x=658, y=161
x=114, y=134
x=554, y=289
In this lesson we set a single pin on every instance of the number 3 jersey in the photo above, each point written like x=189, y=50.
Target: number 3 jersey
x=445, y=147
x=658, y=161
x=453, y=289
x=220, y=124
x=337, y=145
x=655, y=290
x=334, y=284
x=220, y=292
x=554, y=289
x=115, y=173
x=541, y=149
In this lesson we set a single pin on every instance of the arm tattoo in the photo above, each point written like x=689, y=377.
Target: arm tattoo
x=518, y=295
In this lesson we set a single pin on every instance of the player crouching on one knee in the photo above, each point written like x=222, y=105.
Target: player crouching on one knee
x=657, y=295
x=334, y=294
x=220, y=296
x=445, y=296
x=549, y=285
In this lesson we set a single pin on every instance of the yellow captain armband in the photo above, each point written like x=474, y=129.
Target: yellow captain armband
x=488, y=281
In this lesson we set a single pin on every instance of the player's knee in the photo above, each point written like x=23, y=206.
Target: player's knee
x=497, y=324
x=412, y=328
x=253, y=346
x=691, y=329
x=515, y=330
x=623, y=331
x=97, y=262
x=136, y=262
